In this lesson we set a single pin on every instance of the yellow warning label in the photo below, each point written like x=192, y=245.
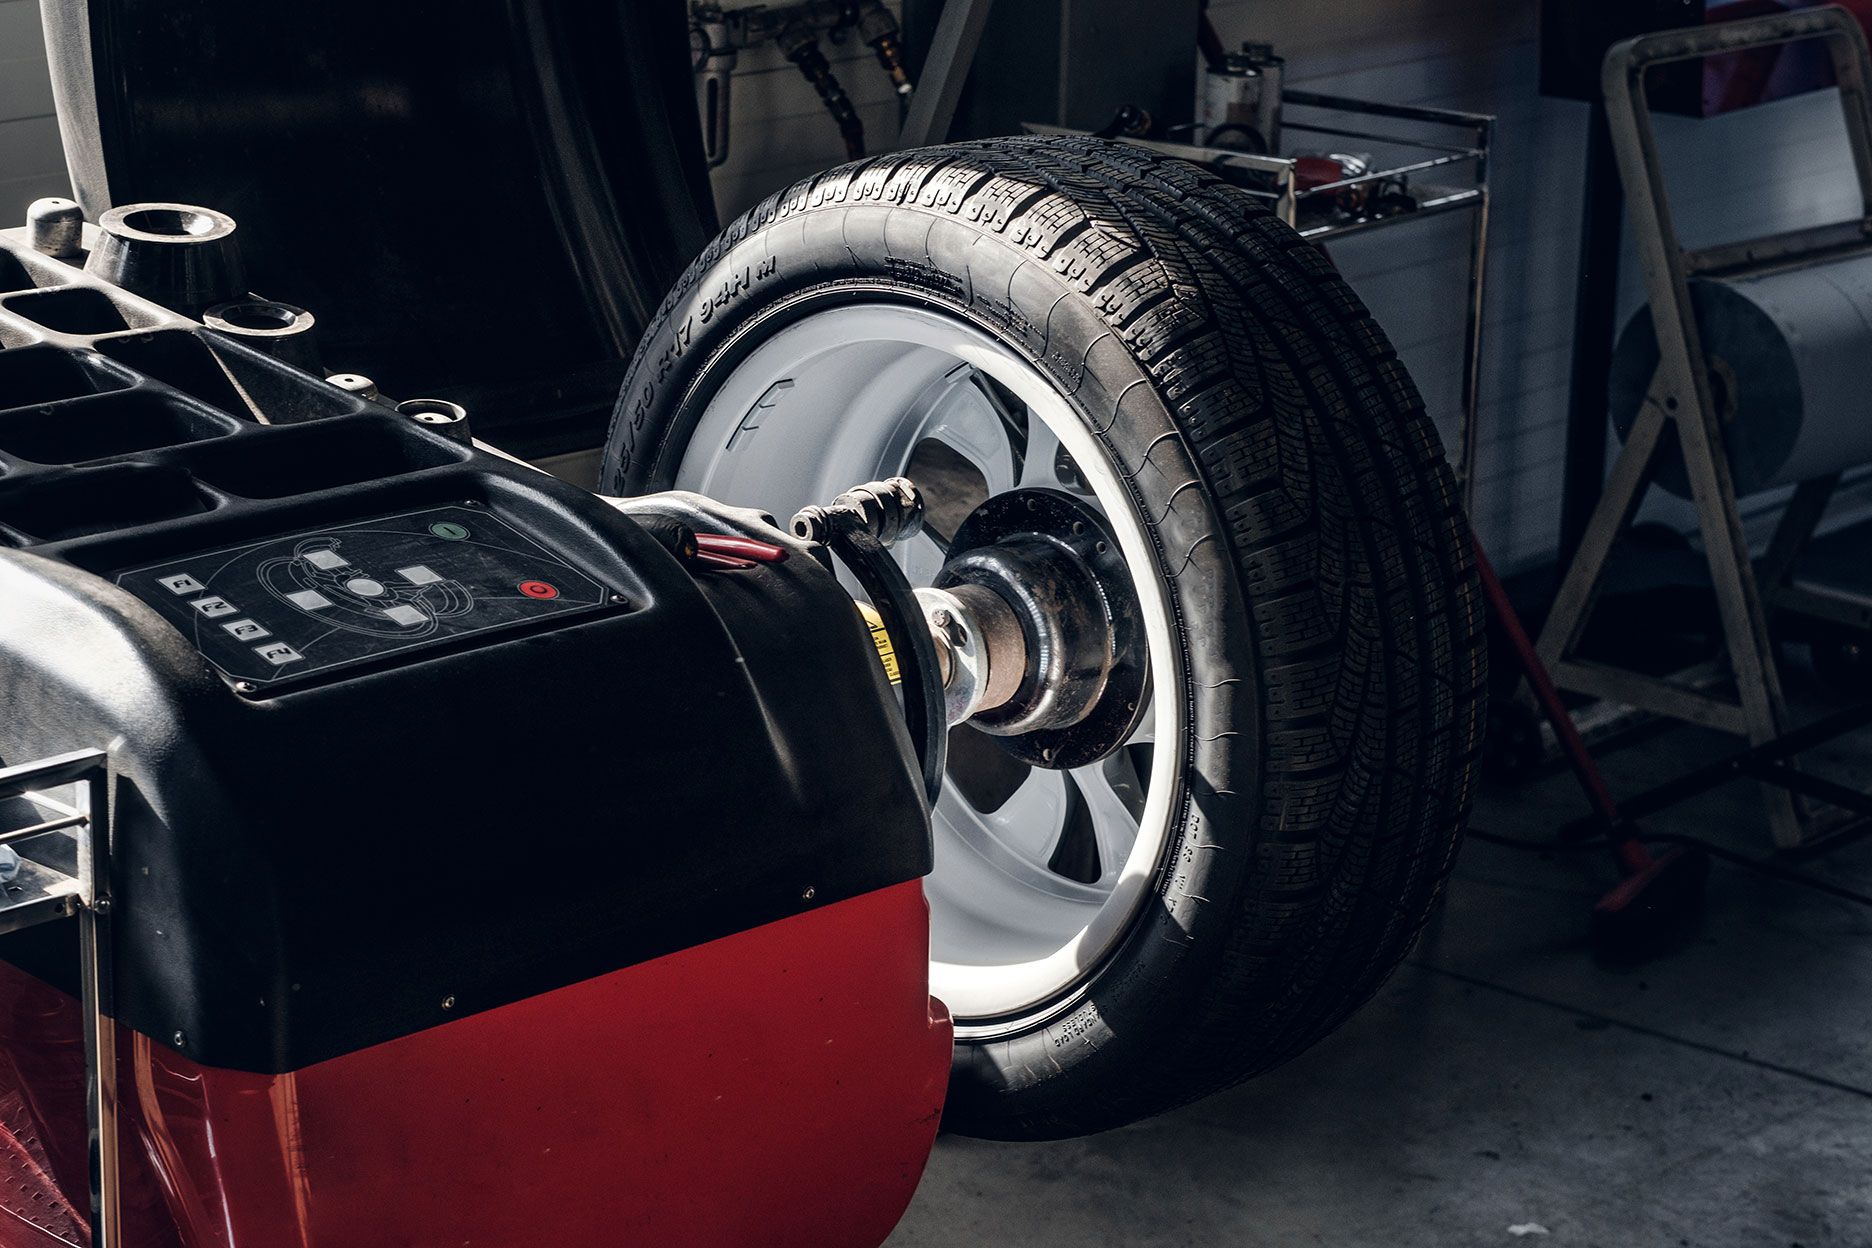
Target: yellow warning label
x=887, y=653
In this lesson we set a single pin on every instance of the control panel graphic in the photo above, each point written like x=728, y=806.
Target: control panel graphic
x=310, y=602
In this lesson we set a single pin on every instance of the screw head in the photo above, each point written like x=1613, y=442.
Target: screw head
x=448, y=1003
x=180, y=1039
x=808, y=893
x=245, y=686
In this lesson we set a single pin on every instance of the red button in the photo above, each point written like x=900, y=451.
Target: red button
x=538, y=589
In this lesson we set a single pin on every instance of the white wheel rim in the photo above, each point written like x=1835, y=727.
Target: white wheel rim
x=845, y=396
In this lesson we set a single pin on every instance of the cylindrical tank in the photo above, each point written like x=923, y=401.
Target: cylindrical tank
x=1239, y=103
x=1790, y=360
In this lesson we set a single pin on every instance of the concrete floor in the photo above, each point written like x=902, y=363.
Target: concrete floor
x=1504, y=1088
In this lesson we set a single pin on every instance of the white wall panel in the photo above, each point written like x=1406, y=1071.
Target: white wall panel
x=31, y=162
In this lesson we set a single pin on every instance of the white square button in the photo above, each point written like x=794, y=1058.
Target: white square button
x=278, y=653
x=419, y=575
x=309, y=600
x=180, y=584
x=246, y=630
x=214, y=608
x=326, y=560
x=405, y=614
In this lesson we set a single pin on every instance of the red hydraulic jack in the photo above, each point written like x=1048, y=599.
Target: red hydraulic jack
x=1659, y=892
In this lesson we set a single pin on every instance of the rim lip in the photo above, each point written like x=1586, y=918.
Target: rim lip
x=117, y=221
x=985, y=1000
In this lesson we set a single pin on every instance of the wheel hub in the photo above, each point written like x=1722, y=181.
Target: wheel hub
x=1035, y=578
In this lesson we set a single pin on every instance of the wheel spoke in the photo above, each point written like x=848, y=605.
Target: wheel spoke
x=968, y=423
x=1146, y=731
x=1044, y=459
x=921, y=558
x=1114, y=827
x=1021, y=835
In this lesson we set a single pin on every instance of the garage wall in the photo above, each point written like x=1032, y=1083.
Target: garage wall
x=1467, y=54
x=780, y=132
x=32, y=164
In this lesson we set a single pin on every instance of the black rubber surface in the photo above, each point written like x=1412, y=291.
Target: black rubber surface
x=1306, y=527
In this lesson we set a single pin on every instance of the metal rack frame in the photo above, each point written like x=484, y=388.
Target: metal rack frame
x=40, y=894
x=1276, y=181
x=1680, y=397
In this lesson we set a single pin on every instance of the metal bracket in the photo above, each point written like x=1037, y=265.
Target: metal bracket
x=1680, y=397
x=40, y=894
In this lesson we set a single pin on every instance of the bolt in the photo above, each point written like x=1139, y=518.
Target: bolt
x=808, y=893
x=618, y=600
x=180, y=1039
x=244, y=686
x=940, y=617
x=55, y=227
x=101, y=906
x=448, y=1003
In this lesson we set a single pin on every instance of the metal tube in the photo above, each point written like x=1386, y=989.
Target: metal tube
x=98, y=990
x=945, y=72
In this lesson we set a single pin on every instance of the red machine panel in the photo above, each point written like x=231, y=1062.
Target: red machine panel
x=780, y=1088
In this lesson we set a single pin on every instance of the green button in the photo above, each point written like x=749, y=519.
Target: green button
x=448, y=530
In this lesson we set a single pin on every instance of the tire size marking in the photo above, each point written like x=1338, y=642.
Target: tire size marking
x=682, y=335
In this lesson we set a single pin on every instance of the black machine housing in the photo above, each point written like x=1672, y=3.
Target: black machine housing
x=557, y=748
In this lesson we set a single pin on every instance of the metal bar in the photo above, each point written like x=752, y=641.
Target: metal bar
x=1394, y=140
x=1691, y=42
x=1651, y=693
x=1823, y=602
x=1383, y=175
x=62, y=769
x=1794, y=530
x=1424, y=210
x=1736, y=766
x=98, y=989
x=1817, y=787
x=1400, y=112
x=40, y=829
x=945, y=72
x=1472, y=333
x=1771, y=251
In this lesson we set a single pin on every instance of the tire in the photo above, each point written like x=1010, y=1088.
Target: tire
x=1303, y=525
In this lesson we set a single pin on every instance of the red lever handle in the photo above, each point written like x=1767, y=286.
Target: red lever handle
x=739, y=548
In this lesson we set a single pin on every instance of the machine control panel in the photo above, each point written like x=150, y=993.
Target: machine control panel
x=310, y=602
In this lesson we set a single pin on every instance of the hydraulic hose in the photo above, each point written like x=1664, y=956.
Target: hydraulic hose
x=803, y=50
